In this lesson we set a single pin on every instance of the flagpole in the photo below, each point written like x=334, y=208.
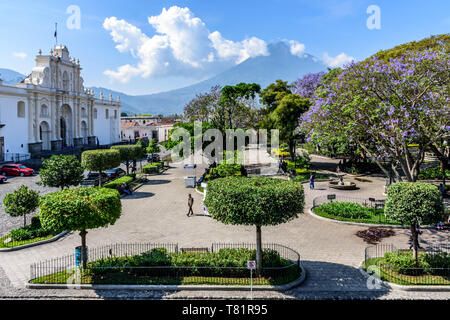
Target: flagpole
x=56, y=33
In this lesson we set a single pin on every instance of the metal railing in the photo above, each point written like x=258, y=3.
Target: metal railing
x=65, y=270
x=421, y=274
x=15, y=157
x=340, y=198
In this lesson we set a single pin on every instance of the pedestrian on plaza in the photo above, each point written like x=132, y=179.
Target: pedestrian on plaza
x=311, y=181
x=190, y=204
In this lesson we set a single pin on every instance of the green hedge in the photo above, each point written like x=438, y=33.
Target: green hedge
x=152, y=168
x=404, y=261
x=346, y=210
x=34, y=230
x=116, y=183
x=223, y=258
x=433, y=173
x=225, y=170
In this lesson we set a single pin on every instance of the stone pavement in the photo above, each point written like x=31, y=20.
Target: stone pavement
x=157, y=211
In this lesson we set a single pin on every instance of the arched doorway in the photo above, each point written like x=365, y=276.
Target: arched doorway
x=44, y=135
x=66, y=125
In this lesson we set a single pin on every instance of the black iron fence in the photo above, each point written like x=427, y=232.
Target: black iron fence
x=366, y=202
x=65, y=269
x=432, y=268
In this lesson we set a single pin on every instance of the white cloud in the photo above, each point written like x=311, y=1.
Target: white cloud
x=338, y=61
x=21, y=55
x=297, y=48
x=182, y=45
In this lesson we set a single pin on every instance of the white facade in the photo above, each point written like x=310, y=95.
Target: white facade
x=51, y=110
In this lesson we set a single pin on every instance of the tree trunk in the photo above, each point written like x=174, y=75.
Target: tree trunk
x=258, y=251
x=24, y=220
x=83, y=248
x=415, y=242
x=128, y=165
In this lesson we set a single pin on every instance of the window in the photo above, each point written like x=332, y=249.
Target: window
x=106, y=113
x=83, y=112
x=115, y=114
x=44, y=111
x=21, y=109
x=95, y=113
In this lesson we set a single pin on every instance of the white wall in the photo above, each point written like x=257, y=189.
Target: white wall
x=15, y=131
x=107, y=130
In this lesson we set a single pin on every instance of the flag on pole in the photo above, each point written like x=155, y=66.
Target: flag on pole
x=56, y=33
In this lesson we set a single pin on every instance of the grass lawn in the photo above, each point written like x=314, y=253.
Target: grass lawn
x=376, y=218
x=124, y=277
x=13, y=244
x=387, y=274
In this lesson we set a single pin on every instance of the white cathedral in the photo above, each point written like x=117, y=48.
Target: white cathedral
x=51, y=110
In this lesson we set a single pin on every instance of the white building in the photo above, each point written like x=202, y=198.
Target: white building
x=51, y=110
x=142, y=126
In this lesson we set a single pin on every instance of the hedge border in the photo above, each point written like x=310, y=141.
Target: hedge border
x=283, y=287
x=33, y=244
x=394, y=286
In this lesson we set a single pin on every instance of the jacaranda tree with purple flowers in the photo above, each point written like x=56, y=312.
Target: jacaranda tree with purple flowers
x=306, y=86
x=383, y=106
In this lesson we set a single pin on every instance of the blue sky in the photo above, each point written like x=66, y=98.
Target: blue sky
x=192, y=40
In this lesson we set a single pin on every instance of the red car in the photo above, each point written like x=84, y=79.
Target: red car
x=16, y=170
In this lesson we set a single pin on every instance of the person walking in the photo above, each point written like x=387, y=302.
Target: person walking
x=190, y=204
x=311, y=181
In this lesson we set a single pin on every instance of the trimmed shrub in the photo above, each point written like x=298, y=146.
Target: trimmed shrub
x=21, y=202
x=433, y=173
x=80, y=209
x=351, y=210
x=129, y=153
x=154, y=167
x=61, y=171
x=34, y=230
x=116, y=183
x=100, y=160
x=225, y=170
x=408, y=202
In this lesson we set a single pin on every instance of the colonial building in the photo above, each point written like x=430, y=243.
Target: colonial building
x=145, y=126
x=51, y=110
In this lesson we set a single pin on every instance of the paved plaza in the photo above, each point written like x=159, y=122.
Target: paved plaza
x=156, y=213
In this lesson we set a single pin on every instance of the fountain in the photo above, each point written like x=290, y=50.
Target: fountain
x=340, y=184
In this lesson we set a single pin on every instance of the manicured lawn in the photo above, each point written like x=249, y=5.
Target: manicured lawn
x=374, y=218
x=19, y=243
x=390, y=275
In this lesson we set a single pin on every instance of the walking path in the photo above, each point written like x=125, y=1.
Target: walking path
x=157, y=211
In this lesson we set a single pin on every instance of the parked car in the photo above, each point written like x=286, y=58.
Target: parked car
x=154, y=157
x=14, y=169
x=92, y=178
x=3, y=179
x=115, y=173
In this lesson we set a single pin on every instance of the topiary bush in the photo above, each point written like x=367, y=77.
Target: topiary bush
x=259, y=201
x=154, y=167
x=129, y=153
x=79, y=209
x=100, y=160
x=224, y=170
x=414, y=202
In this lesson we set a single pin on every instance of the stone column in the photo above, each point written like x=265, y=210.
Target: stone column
x=30, y=118
x=36, y=118
x=53, y=118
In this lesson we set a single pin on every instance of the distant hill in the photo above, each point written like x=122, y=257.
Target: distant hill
x=280, y=64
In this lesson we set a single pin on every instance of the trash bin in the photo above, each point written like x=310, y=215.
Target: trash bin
x=78, y=261
x=189, y=181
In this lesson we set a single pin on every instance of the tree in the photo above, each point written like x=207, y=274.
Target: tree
x=306, y=86
x=61, y=171
x=271, y=96
x=80, y=209
x=100, y=160
x=256, y=202
x=383, y=106
x=153, y=147
x=21, y=202
x=129, y=153
x=285, y=118
x=202, y=107
x=124, y=114
x=411, y=203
